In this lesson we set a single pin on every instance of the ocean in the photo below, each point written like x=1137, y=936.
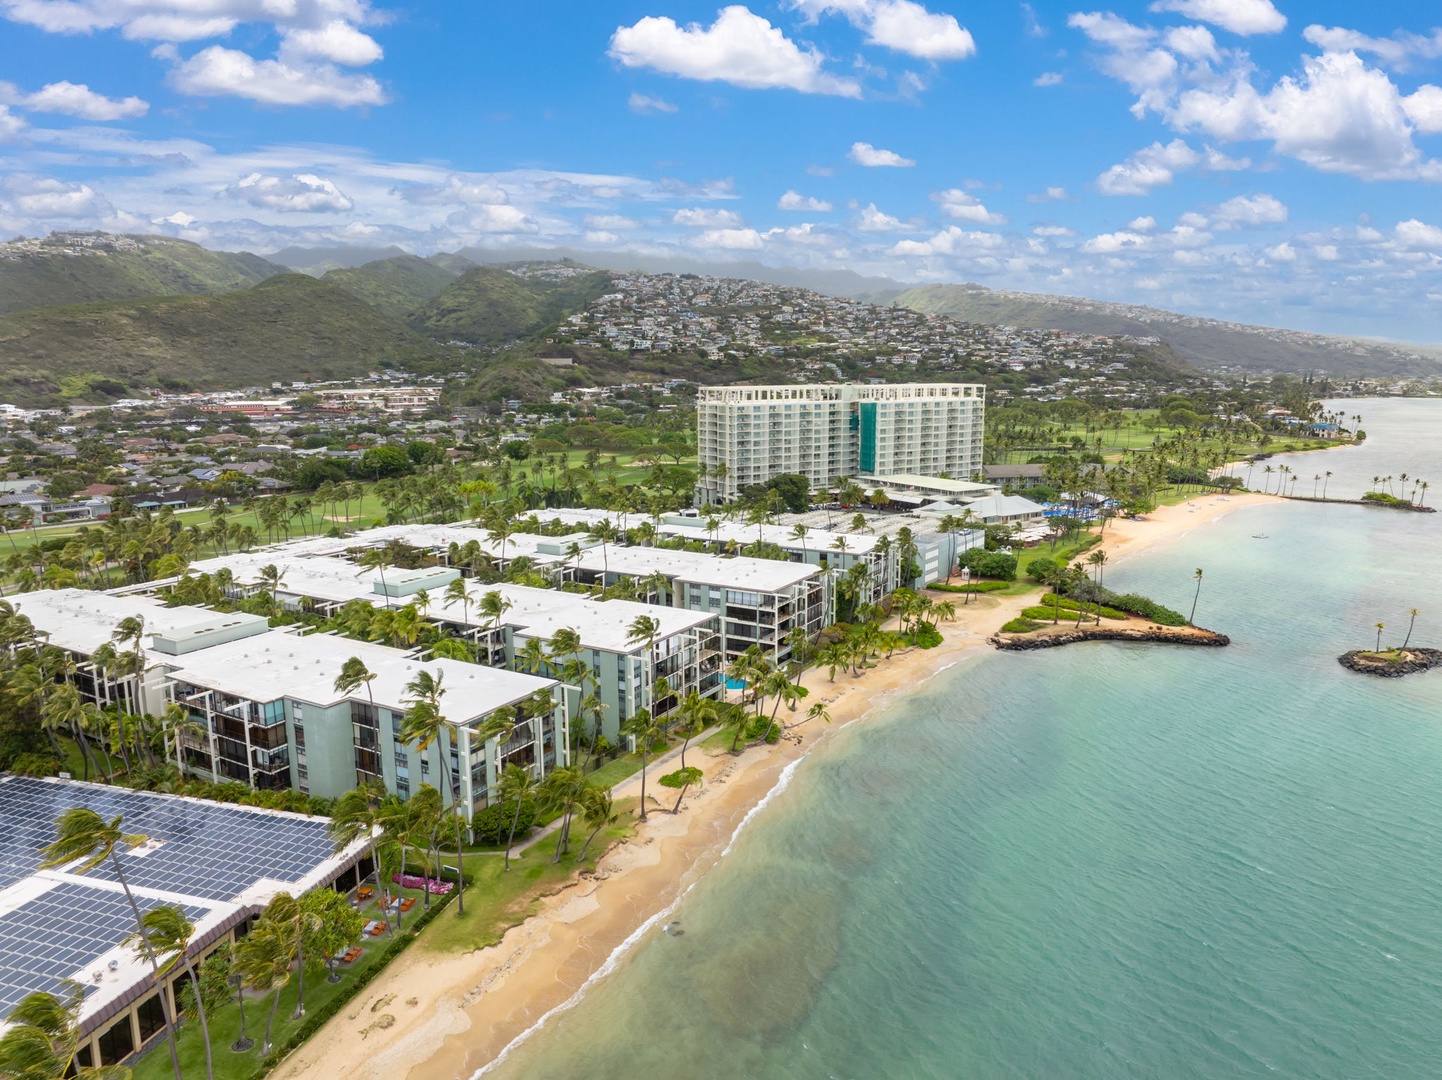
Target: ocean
x=1102, y=862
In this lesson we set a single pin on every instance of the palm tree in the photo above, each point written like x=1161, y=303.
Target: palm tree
x=644, y=630
x=1380, y=628
x=697, y=714
x=1192, y=617
x=171, y=934
x=379, y=560
x=44, y=1035
x=520, y=784
x=1326, y=476
x=272, y=580
x=357, y=815
x=422, y=725
x=82, y=835
x=597, y=812
x=1413, y=613
x=563, y=791
x=645, y=729
x=263, y=960
x=456, y=593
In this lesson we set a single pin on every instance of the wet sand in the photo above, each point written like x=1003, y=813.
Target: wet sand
x=455, y=1013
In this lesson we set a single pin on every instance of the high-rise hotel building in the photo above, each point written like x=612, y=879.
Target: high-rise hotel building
x=748, y=434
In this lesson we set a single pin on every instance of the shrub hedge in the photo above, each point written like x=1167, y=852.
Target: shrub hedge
x=493, y=824
x=974, y=587
x=1021, y=626
x=1148, y=609
x=1068, y=604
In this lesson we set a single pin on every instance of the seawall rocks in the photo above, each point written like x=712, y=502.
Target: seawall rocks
x=1420, y=660
x=1028, y=642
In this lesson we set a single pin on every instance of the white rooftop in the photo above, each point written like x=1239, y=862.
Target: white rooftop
x=277, y=665
x=601, y=624
x=81, y=621
x=918, y=482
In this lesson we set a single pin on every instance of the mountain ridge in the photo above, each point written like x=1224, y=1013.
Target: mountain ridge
x=1211, y=344
x=288, y=327
x=78, y=268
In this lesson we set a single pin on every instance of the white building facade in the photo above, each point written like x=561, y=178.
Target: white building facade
x=748, y=434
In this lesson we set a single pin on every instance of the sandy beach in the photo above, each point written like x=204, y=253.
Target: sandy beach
x=454, y=1014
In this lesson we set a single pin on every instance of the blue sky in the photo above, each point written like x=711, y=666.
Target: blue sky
x=1257, y=160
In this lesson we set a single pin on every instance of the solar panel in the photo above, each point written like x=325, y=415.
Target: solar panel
x=55, y=935
x=208, y=850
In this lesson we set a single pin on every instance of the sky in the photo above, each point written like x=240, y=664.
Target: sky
x=1265, y=161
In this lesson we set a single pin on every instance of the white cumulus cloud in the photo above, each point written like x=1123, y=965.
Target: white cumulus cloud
x=74, y=99
x=731, y=239
x=872, y=157
x=337, y=41
x=1239, y=16
x=1051, y=194
x=702, y=217
x=315, y=37
x=873, y=220
x=795, y=201
x=1414, y=235
x=965, y=206
x=740, y=48
x=1048, y=78
x=1400, y=51
x=301, y=193
x=218, y=71
x=1250, y=210
x=902, y=25
x=1151, y=167
x=952, y=240
x=46, y=199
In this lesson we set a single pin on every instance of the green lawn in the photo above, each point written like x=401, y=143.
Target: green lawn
x=495, y=901
x=225, y=1022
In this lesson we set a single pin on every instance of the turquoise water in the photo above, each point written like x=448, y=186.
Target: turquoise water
x=1097, y=862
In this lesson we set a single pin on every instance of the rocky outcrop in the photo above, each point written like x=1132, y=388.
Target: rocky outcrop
x=1399, y=505
x=1160, y=636
x=1415, y=662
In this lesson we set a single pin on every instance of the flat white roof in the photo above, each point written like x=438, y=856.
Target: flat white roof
x=781, y=535
x=81, y=621
x=602, y=624
x=278, y=665
x=902, y=481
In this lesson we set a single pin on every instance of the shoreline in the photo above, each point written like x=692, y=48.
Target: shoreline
x=458, y=1015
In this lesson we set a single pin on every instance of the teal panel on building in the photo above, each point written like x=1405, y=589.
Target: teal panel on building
x=868, y=437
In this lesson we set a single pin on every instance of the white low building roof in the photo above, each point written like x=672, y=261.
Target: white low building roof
x=601, y=624
x=781, y=535
x=1001, y=506
x=81, y=621
x=277, y=665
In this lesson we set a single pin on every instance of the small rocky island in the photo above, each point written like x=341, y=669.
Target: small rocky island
x=1391, y=663
x=1136, y=630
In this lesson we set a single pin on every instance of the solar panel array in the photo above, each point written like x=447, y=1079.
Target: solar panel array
x=209, y=850
x=55, y=935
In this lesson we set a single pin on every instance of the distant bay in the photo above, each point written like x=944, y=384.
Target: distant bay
x=1097, y=862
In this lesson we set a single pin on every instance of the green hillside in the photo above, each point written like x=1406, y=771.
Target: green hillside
x=289, y=327
x=395, y=286
x=456, y=263
x=490, y=306
x=1205, y=343
x=78, y=268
